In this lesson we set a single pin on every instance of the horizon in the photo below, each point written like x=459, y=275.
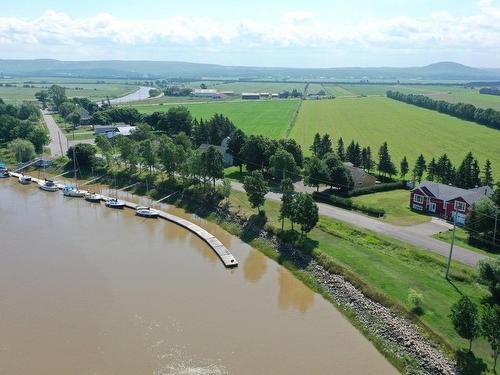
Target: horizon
x=281, y=34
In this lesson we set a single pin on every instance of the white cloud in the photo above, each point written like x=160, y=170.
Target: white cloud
x=296, y=30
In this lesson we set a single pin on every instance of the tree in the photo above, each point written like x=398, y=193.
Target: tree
x=419, y=168
x=254, y=152
x=287, y=206
x=177, y=119
x=293, y=148
x=340, y=149
x=236, y=141
x=353, y=154
x=316, y=145
x=66, y=108
x=282, y=164
x=129, y=151
x=43, y=97
x=464, y=317
x=213, y=163
x=385, y=165
x=489, y=274
x=39, y=137
x=57, y=94
x=490, y=327
x=225, y=189
x=487, y=174
x=203, y=86
x=445, y=172
x=74, y=118
x=84, y=154
x=148, y=151
x=141, y=133
x=431, y=170
x=338, y=174
x=496, y=195
x=325, y=146
x=171, y=155
x=22, y=150
x=256, y=188
x=315, y=172
x=305, y=212
x=480, y=221
x=366, y=159
x=105, y=146
x=403, y=168
x=467, y=176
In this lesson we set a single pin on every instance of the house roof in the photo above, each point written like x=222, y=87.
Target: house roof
x=448, y=192
x=84, y=114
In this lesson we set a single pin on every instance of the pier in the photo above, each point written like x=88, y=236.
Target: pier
x=222, y=252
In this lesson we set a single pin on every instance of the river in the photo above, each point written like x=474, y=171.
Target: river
x=85, y=289
x=140, y=94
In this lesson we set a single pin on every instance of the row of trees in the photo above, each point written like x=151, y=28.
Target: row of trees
x=489, y=91
x=464, y=111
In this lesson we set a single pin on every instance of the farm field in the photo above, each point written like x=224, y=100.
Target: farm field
x=395, y=204
x=314, y=88
x=408, y=130
x=93, y=91
x=267, y=117
x=337, y=90
x=271, y=87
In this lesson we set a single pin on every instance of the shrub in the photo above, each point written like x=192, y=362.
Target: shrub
x=416, y=300
x=489, y=274
x=347, y=203
x=378, y=188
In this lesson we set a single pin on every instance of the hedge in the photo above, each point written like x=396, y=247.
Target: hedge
x=347, y=203
x=377, y=188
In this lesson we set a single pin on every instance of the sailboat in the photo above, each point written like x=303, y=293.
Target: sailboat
x=49, y=185
x=115, y=202
x=72, y=190
x=146, y=212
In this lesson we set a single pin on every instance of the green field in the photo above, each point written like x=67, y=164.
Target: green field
x=267, y=117
x=408, y=130
x=93, y=91
x=395, y=204
x=271, y=87
x=337, y=90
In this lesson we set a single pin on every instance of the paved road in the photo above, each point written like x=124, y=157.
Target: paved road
x=418, y=235
x=58, y=142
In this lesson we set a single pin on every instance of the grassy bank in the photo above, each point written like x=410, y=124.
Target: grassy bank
x=461, y=239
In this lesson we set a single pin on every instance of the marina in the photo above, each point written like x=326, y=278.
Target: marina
x=222, y=252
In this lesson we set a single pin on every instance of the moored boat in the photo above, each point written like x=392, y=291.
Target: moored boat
x=49, y=185
x=146, y=212
x=93, y=197
x=73, y=191
x=4, y=173
x=24, y=179
x=115, y=203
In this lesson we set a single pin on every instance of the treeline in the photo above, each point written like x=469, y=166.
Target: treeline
x=469, y=112
x=489, y=91
x=20, y=127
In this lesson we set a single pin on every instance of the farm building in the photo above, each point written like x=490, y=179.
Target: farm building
x=227, y=93
x=227, y=157
x=265, y=95
x=113, y=130
x=360, y=177
x=444, y=200
x=205, y=93
x=250, y=96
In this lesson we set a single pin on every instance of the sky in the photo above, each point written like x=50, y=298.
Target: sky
x=292, y=33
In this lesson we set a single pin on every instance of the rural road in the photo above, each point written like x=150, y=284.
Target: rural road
x=418, y=235
x=58, y=142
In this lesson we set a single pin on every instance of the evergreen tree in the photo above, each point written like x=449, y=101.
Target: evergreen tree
x=366, y=159
x=419, y=168
x=487, y=174
x=350, y=153
x=340, y=149
x=316, y=145
x=236, y=141
x=476, y=174
x=357, y=155
x=431, y=170
x=403, y=167
x=445, y=172
x=385, y=165
x=326, y=145
x=467, y=175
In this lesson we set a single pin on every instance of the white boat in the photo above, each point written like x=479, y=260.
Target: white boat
x=4, y=173
x=72, y=191
x=93, y=197
x=115, y=203
x=24, y=179
x=49, y=185
x=146, y=212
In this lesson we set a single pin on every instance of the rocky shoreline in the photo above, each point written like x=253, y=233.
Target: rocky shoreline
x=398, y=335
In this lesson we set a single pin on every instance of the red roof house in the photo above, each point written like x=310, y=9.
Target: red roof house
x=444, y=200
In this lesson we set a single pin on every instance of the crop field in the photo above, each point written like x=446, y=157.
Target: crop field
x=268, y=117
x=93, y=91
x=314, y=88
x=337, y=90
x=408, y=130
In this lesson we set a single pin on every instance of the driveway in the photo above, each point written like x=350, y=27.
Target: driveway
x=418, y=235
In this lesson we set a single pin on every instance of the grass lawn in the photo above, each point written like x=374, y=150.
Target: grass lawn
x=408, y=130
x=392, y=268
x=395, y=204
x=461, y=237
x=267, y=117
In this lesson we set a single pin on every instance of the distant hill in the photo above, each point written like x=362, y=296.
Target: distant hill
x=184, y=70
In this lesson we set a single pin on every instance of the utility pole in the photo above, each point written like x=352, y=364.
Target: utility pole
x=452, y=242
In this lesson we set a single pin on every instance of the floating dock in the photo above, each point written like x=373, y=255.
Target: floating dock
x=222, y=252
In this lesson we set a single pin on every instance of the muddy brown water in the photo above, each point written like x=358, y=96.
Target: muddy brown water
x=85, y=289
